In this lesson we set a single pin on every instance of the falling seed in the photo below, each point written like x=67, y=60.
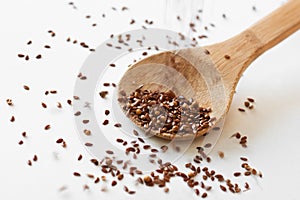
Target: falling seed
x=79, y=157
x=39, y=56
x=20, y=142
x=47, y=46
x=88, y=144
x=106, y=112
x=76, y=174
x=204, y=195
x=24, y=134
x=251, y=100
x=118, y=125
x=9, y=102
x=47, y=127
x=12, y=119
x=29, y=162
x=105, y=122
x=21, y=55
x=241, y=110
x=29, y=42
x=35, y=158
x=60, y=140
x=44, y=105
x=87, y=132
x=247, y=104
x=236, y=174
x=247, y=173
x=103, y=94
x=114, y=183
x=69, y=102
x=26, y=57
x=26, y=87
x=244, y=159
x=221, y=154
x=97, y=180
x=223, y=188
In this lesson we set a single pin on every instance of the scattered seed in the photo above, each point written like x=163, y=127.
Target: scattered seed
x=47, y=127
x=118, y=125
x=241, y=110
x=251, y=100
x=79, y=157
x=223, y=188
x=244, y=159
x=236, y=174
x=87, y=132
x=76, y=174
x=35, y=158
x=103, y=94
x=39, y=56
x=21, y=142
x=88, y=144
x=227, y=57
x=105, y=122
x=9, y=102
x=26, y=87
x=12, y=119
x=59, y=141
x=114, y=183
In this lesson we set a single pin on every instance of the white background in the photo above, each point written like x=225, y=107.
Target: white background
x=273, y=80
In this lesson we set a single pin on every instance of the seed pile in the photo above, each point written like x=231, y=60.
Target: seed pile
x=164, y=113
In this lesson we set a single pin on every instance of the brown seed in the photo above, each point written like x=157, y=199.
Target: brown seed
x=251, y=100
x=53, y=92
x=44, y=105
x=59, y=105
x=247, y=104
x=79, y=157
x=24, y=134
x=12, y=119
x=26, y=87
x=118, y=125
x=47, y=46
x=9, y=102
x=76, y=174
x=97, y=180
x=227, y=57
x=88, y=144
x=112, y=65
x=26, y=57
x=39, y=56
x=103, y=94
x=60, y=140
x=69, y=102
x=20, y=142
x=87, y=132
x=85, y=121
x=247, y=173
x=35, y=158
x=120, y=177
x=114, y=183
x=223, y=188
x=131, y=192
x=241, y=110
x=105, y=122
x=29, y=162
x=77, y=113
x=253, y=171
x=204, y=195
x=236, y=174
x=107, y=112
x=244, y=159
x=47, y=127
x=109, y=152
x=90, y=176
x=106, y=84
x=21, y=55
x=221, y=154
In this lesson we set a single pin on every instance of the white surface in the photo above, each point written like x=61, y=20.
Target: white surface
x=272, y=127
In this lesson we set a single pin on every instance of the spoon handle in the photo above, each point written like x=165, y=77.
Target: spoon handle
x=278, y=25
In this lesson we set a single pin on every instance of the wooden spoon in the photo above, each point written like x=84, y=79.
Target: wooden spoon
x=196, y=72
